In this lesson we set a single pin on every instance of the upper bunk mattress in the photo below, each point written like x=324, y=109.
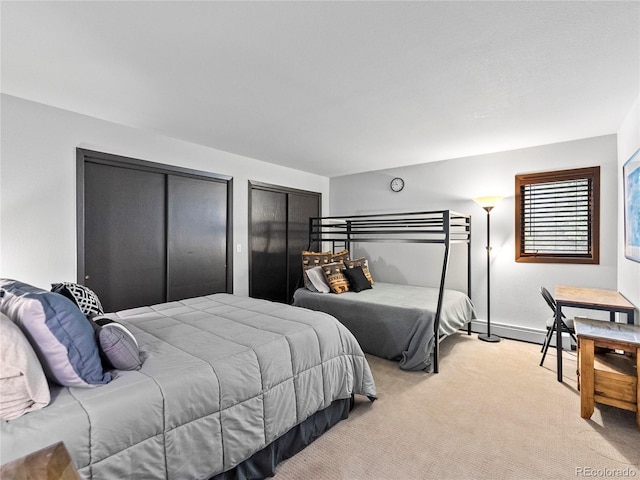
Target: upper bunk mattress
x=394, y=321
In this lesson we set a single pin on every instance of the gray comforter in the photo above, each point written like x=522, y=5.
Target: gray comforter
x=223, y=376
x=394, y=321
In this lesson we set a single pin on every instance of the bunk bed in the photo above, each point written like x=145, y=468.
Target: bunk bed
x=400, y=322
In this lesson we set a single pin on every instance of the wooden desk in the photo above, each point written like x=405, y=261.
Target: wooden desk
x=604, y=374
x=589, y=298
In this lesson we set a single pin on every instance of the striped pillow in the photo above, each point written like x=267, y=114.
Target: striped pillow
x=335, y=278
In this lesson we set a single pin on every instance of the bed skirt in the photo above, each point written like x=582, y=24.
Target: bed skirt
x=263, y=463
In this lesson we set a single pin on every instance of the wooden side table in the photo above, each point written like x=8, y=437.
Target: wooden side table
x=50, y=463
x=608, y=365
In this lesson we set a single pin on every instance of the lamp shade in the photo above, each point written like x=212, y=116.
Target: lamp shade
x=487, y=202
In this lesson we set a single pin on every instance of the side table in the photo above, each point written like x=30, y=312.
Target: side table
x=608, y=365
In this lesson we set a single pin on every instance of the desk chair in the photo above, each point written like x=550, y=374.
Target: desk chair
x=567, y=324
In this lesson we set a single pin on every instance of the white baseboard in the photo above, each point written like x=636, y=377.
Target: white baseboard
x=523, y=334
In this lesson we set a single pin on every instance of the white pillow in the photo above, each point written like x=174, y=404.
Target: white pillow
x=23, y=385
x=318, y=280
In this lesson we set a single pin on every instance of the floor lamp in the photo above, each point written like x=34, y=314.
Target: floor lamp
x=488, y=203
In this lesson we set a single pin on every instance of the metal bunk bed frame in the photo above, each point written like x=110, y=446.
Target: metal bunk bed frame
x=443, y=227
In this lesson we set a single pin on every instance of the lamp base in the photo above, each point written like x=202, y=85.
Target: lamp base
x=489, y=338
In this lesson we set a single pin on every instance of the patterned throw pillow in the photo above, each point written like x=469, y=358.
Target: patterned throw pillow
x=360, y=262
x=340, y=257
x=85, y=298
x=335, y=278
x=311, y=260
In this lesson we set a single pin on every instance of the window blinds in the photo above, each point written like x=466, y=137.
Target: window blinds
x=556, y=218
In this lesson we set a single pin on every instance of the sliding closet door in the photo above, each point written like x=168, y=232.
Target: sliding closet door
x=124, y=235
x=268, y=275
x=149, y=233
x=300, y=208
x=278, y=233
x=196, y=237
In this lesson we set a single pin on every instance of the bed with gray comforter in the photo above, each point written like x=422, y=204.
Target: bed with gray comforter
x=394, y=321
x=223, y=377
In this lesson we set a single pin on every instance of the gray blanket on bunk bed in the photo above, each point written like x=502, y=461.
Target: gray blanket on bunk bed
x=394, y=321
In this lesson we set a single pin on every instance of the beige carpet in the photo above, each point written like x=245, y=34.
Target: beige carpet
x=491, y=413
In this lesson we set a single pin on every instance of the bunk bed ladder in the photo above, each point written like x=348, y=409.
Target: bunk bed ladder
x=469, y=268
x=445, y=264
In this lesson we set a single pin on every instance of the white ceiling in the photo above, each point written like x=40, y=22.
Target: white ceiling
x=333, y=87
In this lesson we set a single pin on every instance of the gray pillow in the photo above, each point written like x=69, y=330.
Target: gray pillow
x=118, y=346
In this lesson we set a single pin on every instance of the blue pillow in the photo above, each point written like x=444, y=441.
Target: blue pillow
x=60, y=334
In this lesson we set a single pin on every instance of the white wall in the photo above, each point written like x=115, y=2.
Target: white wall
x=38, y=185
x=628, y=270
x=517, y=309
x=38, y=220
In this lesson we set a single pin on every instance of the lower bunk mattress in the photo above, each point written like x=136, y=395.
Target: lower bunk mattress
x=223, y=377
x=393, y=321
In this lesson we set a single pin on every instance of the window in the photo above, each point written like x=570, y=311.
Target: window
x=558, y=216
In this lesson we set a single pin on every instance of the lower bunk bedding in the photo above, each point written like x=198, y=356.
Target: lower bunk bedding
x=228, y=387
x=393, y=321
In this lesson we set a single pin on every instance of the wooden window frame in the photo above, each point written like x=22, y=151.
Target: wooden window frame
x=589, y=173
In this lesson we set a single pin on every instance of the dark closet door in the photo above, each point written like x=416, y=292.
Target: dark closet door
x=196, y=237
x=149, y=233
x=278, y=233
x=300, y=209
x=124, y=245
x=268, y=275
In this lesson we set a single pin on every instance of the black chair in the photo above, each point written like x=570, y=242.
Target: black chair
x=567, y=324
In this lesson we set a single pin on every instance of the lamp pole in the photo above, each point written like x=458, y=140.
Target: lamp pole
x=487, y=203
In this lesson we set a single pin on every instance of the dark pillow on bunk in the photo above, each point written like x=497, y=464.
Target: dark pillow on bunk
x=340, y=257
x=311, y=260
x=85, y=298
x=357, y=280
x=333, y=272
x=360, y=262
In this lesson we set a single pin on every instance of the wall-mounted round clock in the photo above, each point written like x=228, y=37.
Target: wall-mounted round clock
x=397, y=184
